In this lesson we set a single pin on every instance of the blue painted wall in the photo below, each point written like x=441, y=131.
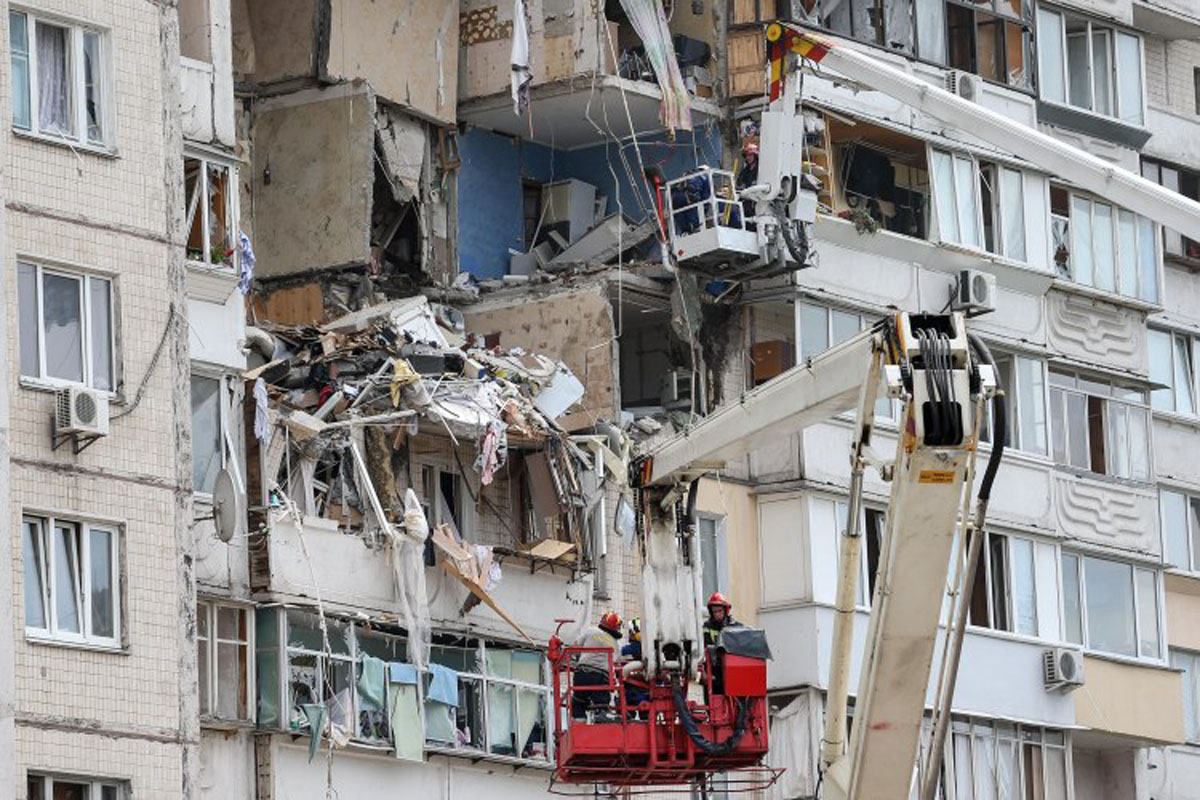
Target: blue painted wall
x=489, y=184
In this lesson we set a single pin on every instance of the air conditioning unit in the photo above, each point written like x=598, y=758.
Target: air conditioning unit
x=1062, y=669
x=963, y=84
x=974, y=292
x=80, y=412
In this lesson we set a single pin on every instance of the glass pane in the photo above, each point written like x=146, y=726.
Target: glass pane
x=1139, y=444
x=28, y=313
x=93, y=76
x=206, y=433
x=527, y=666
x=1058, y=423
x=1109, y=590
x=304, y=631
x=1191, y=704
x=966, y=200
x=1056, y=773
x=943, y=195
x=56, y=112
x=220, y=235
x=814, y=330
x=499, y=662
x=708, y=557
x=66, y=578
x=1024, y=587
x=1127, y=253
x=1031, y=404
x=231, y=681
x=100, y=319
x=1102, y=71
x=989, y=44
x=109, y=793
x=1162, y=371
x=1129, y=78
x=1118, y=441
x=1103, y=244
x=531, y=707
x=1147, y=261
x=102, y=593
x=202, y=651
x=62, y=330
x=985, y=767
x=1173, y=511
x=193, y=181
x=1184, y=376
x=229, y=623
x=502, y=730
x=1077, y=431
x=1072, y=619
x=1079, y=70
x=931, y=30
x=1081, y=240
x=1012, y=213
x=70, y=790
x=1008, y=772
x=1147, y=590
x=1050, y=56
x=1194, y=519
x=845, y=326
x=18, y=42
x=35, y=566
x=962, y=765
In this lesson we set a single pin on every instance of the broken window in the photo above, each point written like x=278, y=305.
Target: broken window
x=209, y=190
x=1099, y=426
x=316, y=675
x=60, y=787
x=1172, y=359
x=66, y=326
x=208, y=431
x=195, y=37
x=1111, y=606
x=1004, y=594
x=882, y=178
x=1002, y=200
x=655, y=366
x=1090, y=66
x=442, y=498
x=59, y=79
x=1184, y=182
x=956, y=197
x=1104, y=246
x=72, y=581
x=993, y=39
x=223, y=649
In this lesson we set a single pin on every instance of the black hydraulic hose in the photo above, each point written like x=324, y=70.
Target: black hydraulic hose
x=693, y=496
x=693, y=730
x=797, y=245
x=999, y=421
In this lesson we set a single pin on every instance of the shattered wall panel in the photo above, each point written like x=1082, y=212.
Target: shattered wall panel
x=574, y=327
x=282, y=42
x=314, y=154
x=402, y=146
x=407, y=51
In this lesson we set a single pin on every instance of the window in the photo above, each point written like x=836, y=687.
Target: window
x=1024, y=382
x=1090, y=66
x=72, y=581
x=1110, y=606
x=712, y=555
x=1104, y=246
x=822, y=327
x=1004, y=595
x=58, y=787
x=1190, y=664
x=208, y=431
x=1173, y=365
x=955, y=196
x=1181, y=529
x=223, y=642
x=986, y=760
x=982, y=204
x=195, y=31
x=66, y=327
x=1099, y=426
x=59, y=79
x=1184, y=182
x=208, y=187
x=442, y=498
x=871, y=527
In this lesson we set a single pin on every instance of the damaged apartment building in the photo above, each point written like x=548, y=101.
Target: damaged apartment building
x=377, y=297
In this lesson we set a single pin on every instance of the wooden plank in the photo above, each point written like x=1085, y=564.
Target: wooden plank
x=551, y=549
x=459, y=561
x=294, y=305
x=744, y=12
x=747, y=63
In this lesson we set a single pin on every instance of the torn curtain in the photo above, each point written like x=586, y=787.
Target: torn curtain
x=522, y=73
x=650, y=23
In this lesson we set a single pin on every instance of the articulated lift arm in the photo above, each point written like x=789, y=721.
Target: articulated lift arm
x=1058, y=158
x=928, y=362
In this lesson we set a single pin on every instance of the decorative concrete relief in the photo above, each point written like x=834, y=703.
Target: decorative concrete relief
x=1107, y=514
x=1094, y=330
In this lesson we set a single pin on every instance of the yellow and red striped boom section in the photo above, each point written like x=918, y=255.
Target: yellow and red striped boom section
x=782, y=40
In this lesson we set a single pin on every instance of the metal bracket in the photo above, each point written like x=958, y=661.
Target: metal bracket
x=81, y=443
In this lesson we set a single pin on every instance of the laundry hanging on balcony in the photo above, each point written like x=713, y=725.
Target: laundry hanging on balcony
x=522, y=71
x=650, y=23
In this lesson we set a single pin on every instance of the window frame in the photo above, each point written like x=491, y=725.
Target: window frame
x=224, y=381
x=47, y=526
x=1190, y=673
x=1191, y=530
x=96, y=786
x=77, y=30
x=721, y=567
x=1108, y=399
x=210, y=607
x=1082, y=558
x=1180, y=342
x=1113, y=33
x=1068, y=270
x=865, y=594
x=1014, y=390
x=1020, y=737
x=865, y=321
x=955, y=205
x=87, y=343
x=194, y=206
x=1007, y=591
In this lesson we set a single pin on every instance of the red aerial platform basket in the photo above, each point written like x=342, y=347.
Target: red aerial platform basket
x=646, y=733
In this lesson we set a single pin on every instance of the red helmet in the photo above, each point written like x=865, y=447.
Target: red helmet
x=718, y=599
x=611, y=622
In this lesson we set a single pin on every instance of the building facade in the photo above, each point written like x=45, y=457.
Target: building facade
x=322, y=254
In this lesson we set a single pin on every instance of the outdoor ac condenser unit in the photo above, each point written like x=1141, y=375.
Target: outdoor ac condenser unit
x=80, y=411
x=974, y=292
x=1062, y=669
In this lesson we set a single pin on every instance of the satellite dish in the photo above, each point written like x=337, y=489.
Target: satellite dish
x=229, y=508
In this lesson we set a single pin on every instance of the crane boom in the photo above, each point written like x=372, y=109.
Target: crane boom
x=1085, y=170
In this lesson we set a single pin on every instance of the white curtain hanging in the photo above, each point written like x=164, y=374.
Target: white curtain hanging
x=54, y=103
x=650, y=23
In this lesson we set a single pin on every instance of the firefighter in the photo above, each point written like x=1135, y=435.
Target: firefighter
x=634, y=695
x=592, y=669
x=719, y=617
